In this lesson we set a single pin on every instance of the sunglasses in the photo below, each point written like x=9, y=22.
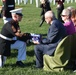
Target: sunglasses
x=63, y=15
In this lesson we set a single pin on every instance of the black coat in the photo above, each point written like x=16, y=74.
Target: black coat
x=8, y=32
x=7, y=6
x=45, y=7
x=55, y=34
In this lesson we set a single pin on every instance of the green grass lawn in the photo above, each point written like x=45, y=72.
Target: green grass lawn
x=29, y=23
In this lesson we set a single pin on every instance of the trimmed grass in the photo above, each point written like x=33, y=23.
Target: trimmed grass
x=29, y=23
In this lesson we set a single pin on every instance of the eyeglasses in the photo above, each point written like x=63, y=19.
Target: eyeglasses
x=46, y=17
x=63, y=15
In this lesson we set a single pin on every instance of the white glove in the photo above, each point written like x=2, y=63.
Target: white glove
x=58, y=6
x=4, y=17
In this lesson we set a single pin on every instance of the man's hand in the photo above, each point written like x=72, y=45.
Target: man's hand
x=35, y=42
x=18, y=34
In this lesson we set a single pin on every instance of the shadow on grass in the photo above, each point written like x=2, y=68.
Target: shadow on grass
x=14, y=53
x=30, y=53
x=29, y=64
x=43, y=34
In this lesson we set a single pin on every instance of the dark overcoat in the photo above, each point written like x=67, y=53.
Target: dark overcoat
x=55, y=34
x=7, y=6
x=45, y=7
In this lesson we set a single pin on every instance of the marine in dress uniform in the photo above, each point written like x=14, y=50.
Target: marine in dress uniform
x=7, y=6
x=12, y=38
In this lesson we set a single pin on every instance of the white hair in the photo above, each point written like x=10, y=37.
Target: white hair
x=70, y=7
x=66, y=12
x=50, y=14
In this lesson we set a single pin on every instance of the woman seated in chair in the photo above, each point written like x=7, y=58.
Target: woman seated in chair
x=66, y=17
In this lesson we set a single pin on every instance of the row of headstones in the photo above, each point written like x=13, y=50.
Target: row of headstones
x=38, y=1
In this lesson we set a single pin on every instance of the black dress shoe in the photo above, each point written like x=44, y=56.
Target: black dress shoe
x=20, y=64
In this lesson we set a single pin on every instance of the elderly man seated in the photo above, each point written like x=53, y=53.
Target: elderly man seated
x=56, y=33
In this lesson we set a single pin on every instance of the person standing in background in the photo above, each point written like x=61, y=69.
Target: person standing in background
x=8, y=5
x=45, y=5
x=60, y=7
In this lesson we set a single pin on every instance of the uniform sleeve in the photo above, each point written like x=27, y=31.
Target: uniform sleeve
x=41, y=6
x=5, y=6
x=9, y=29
